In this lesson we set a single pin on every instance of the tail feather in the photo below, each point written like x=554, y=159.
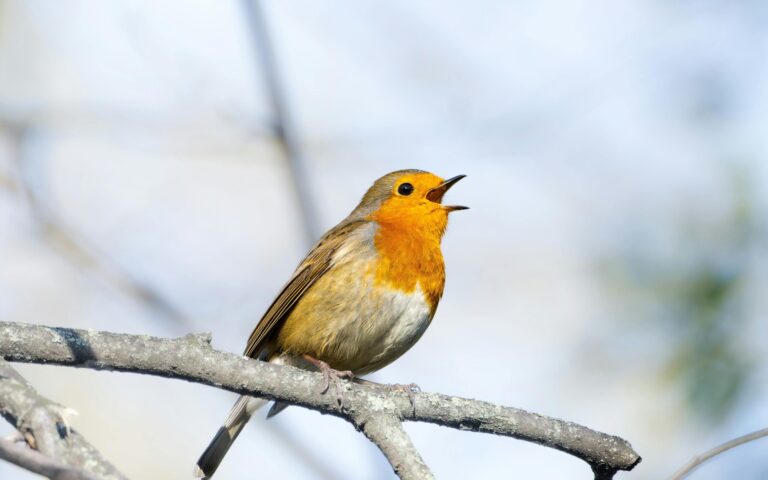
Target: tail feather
x=239, y=415
x=277, y=407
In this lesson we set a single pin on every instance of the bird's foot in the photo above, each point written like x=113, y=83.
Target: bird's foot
x=410, y=389
x=331, y=376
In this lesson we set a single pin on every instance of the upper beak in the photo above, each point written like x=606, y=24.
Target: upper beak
x=436, y=194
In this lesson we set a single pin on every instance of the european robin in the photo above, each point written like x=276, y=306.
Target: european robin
x=361, y=298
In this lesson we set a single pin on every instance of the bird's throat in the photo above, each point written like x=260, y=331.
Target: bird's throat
x=410, y=259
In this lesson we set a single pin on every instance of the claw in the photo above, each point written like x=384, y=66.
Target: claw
x=331, y=376
x=411, y=390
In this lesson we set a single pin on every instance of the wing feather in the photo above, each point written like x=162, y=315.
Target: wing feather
x=318, y=262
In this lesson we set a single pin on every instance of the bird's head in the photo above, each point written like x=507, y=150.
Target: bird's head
x=409, y=199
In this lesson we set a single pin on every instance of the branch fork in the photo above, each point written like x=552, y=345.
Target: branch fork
x=378, y=413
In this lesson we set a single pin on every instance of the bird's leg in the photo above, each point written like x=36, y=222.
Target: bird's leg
x=331, y=375
x=410, y=389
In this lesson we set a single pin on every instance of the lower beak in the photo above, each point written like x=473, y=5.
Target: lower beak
x=436, y=194
x=453, y=208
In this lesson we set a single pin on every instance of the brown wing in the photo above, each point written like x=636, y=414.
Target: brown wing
x=318, y=262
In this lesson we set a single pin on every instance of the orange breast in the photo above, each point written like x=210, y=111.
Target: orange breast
x=410, y=257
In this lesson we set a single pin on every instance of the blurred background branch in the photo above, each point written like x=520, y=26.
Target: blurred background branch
x=283, y=125
x=24, y=138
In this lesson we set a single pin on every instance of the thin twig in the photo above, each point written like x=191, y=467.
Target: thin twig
x=192, y=358
x=699, y=459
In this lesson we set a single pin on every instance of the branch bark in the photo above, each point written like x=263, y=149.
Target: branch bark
x=378, y=412
x=387, y=432
x=36, y=462
x=45, y=427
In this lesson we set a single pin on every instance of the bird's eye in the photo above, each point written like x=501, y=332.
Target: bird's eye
x=405, y=189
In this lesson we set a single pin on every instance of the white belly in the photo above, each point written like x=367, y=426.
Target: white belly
x=410, y=318
x=378, y=332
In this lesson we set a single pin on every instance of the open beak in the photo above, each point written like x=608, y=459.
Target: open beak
x=436, y=194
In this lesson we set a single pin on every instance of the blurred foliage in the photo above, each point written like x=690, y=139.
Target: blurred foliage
x=695, y=289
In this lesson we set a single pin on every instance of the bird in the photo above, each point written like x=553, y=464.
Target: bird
x=362, y=297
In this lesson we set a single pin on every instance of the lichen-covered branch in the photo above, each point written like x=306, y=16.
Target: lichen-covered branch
x=387, y=432
x=192, y=358
x=36, y=462
x=44, y=425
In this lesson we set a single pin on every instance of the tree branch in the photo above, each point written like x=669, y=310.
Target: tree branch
x=387, y=432
x=374, y=410
x=43, y=424
x=36, y=462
